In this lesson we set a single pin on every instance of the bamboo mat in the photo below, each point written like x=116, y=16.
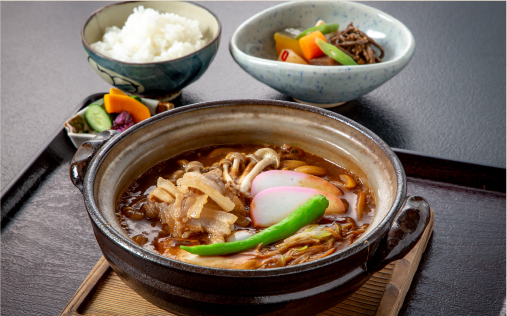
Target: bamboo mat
x=103, y=292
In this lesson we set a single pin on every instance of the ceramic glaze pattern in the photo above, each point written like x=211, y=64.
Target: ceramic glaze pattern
x=253, y=48
x=113, y=78
x=156, y=80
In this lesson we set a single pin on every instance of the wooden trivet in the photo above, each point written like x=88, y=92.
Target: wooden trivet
x=103, y=292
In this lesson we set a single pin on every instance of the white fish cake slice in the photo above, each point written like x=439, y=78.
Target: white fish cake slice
x=272, y=205
x=284, y=178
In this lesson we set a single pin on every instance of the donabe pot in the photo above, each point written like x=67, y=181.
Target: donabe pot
x=103, y=167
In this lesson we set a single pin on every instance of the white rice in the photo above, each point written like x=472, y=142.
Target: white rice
x=149, y=36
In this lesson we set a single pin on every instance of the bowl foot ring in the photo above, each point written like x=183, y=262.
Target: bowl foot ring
x=164, y=98
x=320, y=105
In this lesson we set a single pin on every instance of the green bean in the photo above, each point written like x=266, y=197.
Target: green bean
x=335, y=53
x=324, y=29
x=311, y=210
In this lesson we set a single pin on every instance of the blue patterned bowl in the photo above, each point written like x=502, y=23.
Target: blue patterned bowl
x=157, y=80
x=253, y=47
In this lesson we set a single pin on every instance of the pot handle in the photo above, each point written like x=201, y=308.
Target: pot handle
x=84, y=154
x=407, y=229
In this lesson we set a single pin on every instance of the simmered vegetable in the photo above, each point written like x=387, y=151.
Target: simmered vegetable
x=308, y=212
x=323, y=61
x=284, y=40
x=289, y=56
x=358, y=45
x=309, y=46
x=335, y=53
x=348, y=47
x=324, y=29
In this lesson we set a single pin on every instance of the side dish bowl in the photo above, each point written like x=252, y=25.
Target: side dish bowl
x=78, y=138
x=253, y=47
x=156, y=80
x=104, y=166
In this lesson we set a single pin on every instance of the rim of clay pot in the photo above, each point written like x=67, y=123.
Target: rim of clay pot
x=145, y=254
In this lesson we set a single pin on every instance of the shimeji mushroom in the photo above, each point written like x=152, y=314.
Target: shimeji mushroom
x=225, y=164
x=182, y=163
x=194, y=166
x=252, y=159
x=237, y=159
x=176, y=175
x=214, y=166
x=269, y=158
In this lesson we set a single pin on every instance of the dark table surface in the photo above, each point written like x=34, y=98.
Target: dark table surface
x=448, y=102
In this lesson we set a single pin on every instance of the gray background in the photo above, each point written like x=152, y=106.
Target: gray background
x=449, y=101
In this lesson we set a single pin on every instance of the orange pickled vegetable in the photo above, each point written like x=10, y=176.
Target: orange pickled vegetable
x=285, y=41
x=309, y=46
x=115, y=103
x=116, y=91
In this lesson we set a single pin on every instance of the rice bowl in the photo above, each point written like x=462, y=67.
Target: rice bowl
x=161, y=80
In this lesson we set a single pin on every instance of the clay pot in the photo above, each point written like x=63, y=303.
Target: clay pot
x=103, y=167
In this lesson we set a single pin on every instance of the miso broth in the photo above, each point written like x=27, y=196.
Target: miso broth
x=162, y=223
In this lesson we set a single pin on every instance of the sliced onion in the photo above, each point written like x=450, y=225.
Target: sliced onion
x=167, y=186
x=212, y=206
x=177, y=205
x=225, y=217
x=212, y=226
x=159, y=195
x=321, y=234
x=240, y=235
x=196, y=208
x=297, y=239
x=207, y=186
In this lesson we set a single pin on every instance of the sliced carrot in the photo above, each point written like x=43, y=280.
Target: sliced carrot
x=309, y=47
x=115, y=103
x=116, y=91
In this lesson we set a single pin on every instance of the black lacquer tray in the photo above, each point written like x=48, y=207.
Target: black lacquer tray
x=462, y=271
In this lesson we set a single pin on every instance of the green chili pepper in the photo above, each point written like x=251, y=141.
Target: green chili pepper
x=324, y=29
x=303, y=215
x=335, y=53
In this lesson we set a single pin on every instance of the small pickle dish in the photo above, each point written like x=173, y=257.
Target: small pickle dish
x=105, y=166
x=79, y=130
